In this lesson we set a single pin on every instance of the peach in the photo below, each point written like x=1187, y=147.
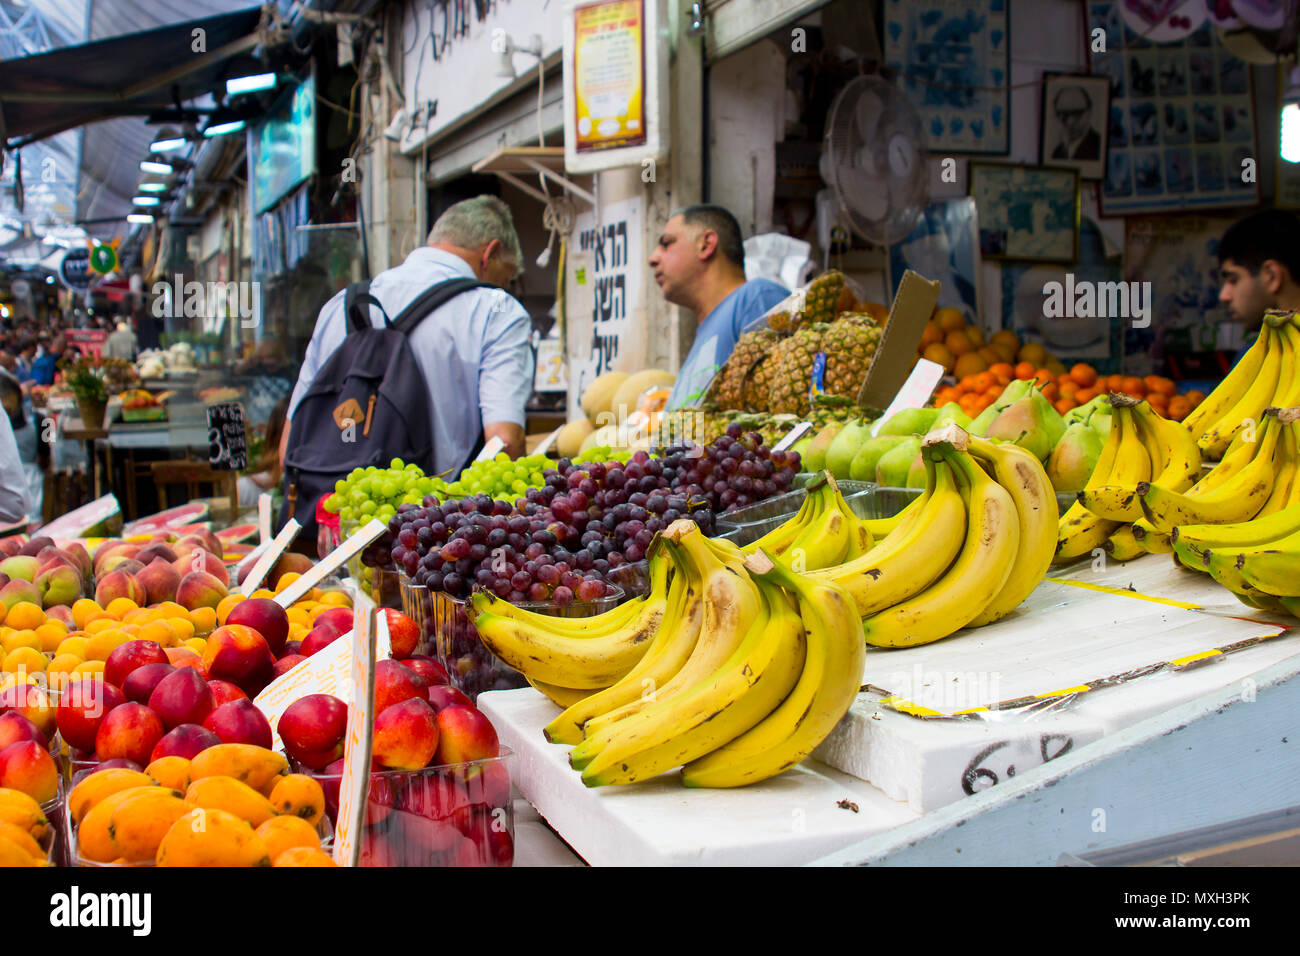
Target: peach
x=223, y=692
x=158, y=549
x=288, y=562
x=313, y=729
x=186, y=657
x=428, y=668
x=240, y=722
x=395, y=683
x=200, y=589
x=36, y=545
x=442, y=696
x=77, y=551
x=15, y=728
x=11, y=546
x=200, y=560
x=84, y=704
x=125, y=658
x=406, y=735
x=264, y=616
x=30, y=701
x=339, y=618
x=203, y=538
x=61, y=613
x=286, y=664
x=184, y=740
x=317, y=640
x=159, y=580
x=116, y=584
x=240, y=655
x=21, y=567
x=19, y=591
x=403, y=633
x=129, y=731
x=119, y=561
x=139, y=684
x=182, y=697
x=465, y=734
x=26, y=766
x=58, y=583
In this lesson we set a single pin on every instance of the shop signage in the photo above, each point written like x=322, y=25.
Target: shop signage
x=75, y=269
x=227, y=448
x=103, y=257
x=609, y=74
x=87, y=341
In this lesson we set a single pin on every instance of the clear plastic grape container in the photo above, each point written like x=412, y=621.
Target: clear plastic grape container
x=450, y=815
x=445, y=623
x=381, y=584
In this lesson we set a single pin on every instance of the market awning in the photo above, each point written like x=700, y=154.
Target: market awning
x=130, y=75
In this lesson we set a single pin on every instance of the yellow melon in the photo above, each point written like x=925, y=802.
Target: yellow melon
x=571, y=437
x=598, y=397
x=628, y=395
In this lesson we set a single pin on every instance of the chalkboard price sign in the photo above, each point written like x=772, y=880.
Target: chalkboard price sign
x=227, y=450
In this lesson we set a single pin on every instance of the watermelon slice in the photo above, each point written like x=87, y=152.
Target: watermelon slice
x=166, y=520
x=185, y=529
x=234, y=552
x=239, y=532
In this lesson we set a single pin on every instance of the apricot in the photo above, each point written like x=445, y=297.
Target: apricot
x=304, y=856
x=283, y=833
x=233, y=796
x=299, y=795
x=207, y=837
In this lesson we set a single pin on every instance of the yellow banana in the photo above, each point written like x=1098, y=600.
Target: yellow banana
x=1256, y=398
x=1238, y=499
x=731, y=602
x=911, y=557
x=975, y=578
x=1151, y=540
x=749, y=686
x=824, y=542
x=1284, y=483
x=1229, y=391
x=1022, y=475
x=1244, y=534
x=1176, y=459
x=1288, y=376
x=1273, y=568
x=1122, y=545
x=663, y=659
x=560, y=696
x=827, y=686
x=880, y=527
x=781, y=537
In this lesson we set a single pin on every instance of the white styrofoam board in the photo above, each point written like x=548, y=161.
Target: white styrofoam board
x=536, y=844
x=788, y=820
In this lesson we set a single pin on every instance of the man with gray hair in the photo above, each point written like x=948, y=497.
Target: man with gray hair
x=473, y=350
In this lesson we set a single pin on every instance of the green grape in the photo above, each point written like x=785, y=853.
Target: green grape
x=368, y=508
x=397, y=463
x=332, y=505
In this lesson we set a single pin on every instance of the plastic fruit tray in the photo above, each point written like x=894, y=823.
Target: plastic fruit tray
x=450, y=815
x=444, y=622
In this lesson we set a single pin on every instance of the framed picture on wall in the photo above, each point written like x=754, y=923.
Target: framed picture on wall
x=1076, y=116
x=1026, y=212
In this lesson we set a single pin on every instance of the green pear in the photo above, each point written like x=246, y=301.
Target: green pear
x=1031, y=422
x=893, y=466
x=916, y=475
x=863, y=467
x=1072, y=460
x=910, y=421
x=839, y=457
x=951, y=414
x=1098, y=407
x=800, y=447
x=1012, y=393
x=814, y=459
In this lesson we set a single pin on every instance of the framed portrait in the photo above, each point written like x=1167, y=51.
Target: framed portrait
x=1029, y=213
x=1076, y=116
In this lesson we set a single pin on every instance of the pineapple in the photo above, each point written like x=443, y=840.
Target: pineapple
x=850, y=345
x=757, y=391
x=823, y=296
x=783, y=322
x=727, y=389
x=793, y=358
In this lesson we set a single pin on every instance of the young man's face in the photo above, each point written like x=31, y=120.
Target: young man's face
x=676, y=260
x=1247, y=296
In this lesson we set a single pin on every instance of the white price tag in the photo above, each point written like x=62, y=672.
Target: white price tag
x=490, y=449
x=327, y=565
x=270, y=555
x=916, y=391
x=356, y=749
x=792, y=436
x=548, y=441
x=263, y=518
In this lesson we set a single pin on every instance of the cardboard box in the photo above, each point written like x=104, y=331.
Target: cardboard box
x=896, y=354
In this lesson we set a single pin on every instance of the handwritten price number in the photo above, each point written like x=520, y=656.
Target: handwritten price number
x=556, y=363
x=1050, y=746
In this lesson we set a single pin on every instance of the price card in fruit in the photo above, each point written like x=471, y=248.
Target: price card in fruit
x=263, y=518
x=227, y=443
x=916, y=391
x=490, y=449
x=340, y=556
x=792, y=436
x=356, y=749
x=269, y=554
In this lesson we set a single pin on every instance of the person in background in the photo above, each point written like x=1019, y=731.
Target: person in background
x=23, y=360
x=474, y=350
x=15, y=500
x=121, y=344
x=699, y=264
x=46, y=363
x=1259, y=261
x=268, y=477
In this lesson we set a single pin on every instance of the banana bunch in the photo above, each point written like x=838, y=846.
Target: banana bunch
x=746, y=672
x=1267, y=375
x=966, y=553
x=1142, y=450
x=823, y=533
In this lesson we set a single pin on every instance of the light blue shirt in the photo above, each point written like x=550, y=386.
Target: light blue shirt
x=14, y=498
x=473, y=350
x=716, y=337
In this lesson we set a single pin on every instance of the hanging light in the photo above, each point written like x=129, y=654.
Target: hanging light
x=153, y=187
x=142, y=217
x=250, y=84
x=146, y=200
x=152, y=166
x=1290, y=139
x=223, y=122
x=169, y=139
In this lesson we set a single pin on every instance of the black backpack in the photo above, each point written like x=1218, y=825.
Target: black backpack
x=368, y=404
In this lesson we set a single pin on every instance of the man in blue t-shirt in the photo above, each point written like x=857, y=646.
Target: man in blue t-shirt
x=699, y=264
x=1259, y=258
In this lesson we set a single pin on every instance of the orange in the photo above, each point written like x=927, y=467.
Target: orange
x=25, y=616
x=930, y=336
x=1067, y=387
x=1132, y=385
x=1179, y=407
x=1033, y=352
x=1115, y=383
x=989, y=354
x=984, y=381
x=1195, y=397
x=1042, y=376
x=1003, y=371
x=958, y=343
x=1055, y=366
x=1160, y=404
x=1160, y=385
x=1006, y=338
x=939, y=354
x=1051, y=392
x=949, y=319
x=969, y=364
x=1084, y=395
x=1083, y=374
x=975, y=334
x=1063, y=405
x=1025, y=371
x=991, y=395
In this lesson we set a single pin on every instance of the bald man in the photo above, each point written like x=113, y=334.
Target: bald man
x=1073, y=108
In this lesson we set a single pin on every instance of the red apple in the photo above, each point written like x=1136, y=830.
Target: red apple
x=140, y=683
x=15, y=728
x=428, y=668
x=444, y=695
x=291, y=647
x=403, y=633
x=286, y=664
x=240, y=655
x=465, y=734
x=119, y=763
x=28, y=767
x=317, y=639
x=264, y=616
x=184, y=740
x=127, y=657
x=223, y=692
x=338, y=618
x=436, y=796
x=406, y=735
x=130, y=731
x=240, y=722
x=395, y=683
x=82, y=708
x=313, y=729
x=182, y=697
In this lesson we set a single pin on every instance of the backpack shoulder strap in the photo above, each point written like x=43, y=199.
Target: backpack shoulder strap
x=356, y=302
x=431, y=298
